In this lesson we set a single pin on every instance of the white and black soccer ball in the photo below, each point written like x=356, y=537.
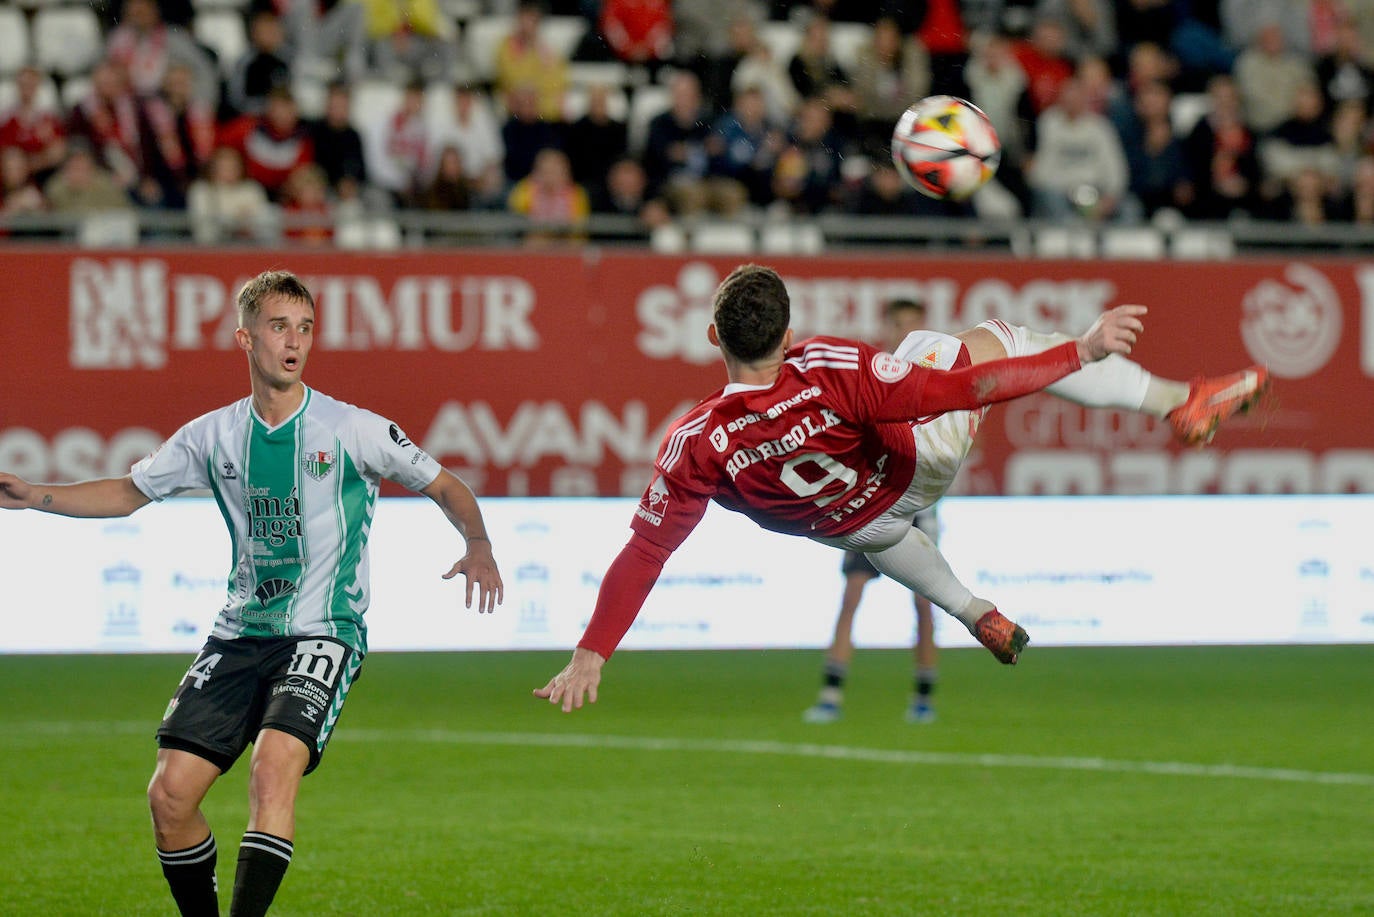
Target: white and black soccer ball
x=945, y=147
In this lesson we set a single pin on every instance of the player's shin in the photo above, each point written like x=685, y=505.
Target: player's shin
x=917, y=564
x=263, y=859
x=190, y=874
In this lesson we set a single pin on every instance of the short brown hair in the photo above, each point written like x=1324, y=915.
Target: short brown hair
x=751, y=312
x=281, y=283
x=895, y=306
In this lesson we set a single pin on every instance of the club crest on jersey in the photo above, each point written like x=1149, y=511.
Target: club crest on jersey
x=655, y=502
x=889, y=368
x=318, y=464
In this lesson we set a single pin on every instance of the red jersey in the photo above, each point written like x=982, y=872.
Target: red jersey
x=821, y=452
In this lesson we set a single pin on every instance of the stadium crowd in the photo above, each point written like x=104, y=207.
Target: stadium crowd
x=241, y=111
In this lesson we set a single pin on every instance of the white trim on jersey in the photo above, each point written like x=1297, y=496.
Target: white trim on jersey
x=677, y=442
x=830, y=356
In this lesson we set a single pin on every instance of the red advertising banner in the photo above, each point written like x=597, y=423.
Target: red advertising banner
x=555, y=374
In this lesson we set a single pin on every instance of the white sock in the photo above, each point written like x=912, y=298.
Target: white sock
x=917, y=564
x=1115, y=382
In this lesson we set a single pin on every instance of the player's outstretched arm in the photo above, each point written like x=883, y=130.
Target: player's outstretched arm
x=576, y=683
x=1115, y=331
x=477, y=565
x=102, y=498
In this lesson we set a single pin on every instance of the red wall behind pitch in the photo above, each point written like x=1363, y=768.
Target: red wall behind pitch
x=555, y=373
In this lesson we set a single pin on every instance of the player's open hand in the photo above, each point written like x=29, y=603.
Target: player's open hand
x=15, y=492
x=479, y=567
x=578, y=680
x=1115, y=331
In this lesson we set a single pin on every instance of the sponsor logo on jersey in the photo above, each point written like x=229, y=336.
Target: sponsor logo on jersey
x=318, y=464
x=889, y=368
x=655, y=503
x=399, y=438
x=273, y=519
x=719, y=440
x=269, y=589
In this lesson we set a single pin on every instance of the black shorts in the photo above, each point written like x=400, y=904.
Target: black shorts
x=858, y=562
x=235, y=688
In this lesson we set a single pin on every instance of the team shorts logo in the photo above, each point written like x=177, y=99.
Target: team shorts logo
x=319, y=660
x=318, y=464
x=889, y=368
x=655, y=503
x=719, y=440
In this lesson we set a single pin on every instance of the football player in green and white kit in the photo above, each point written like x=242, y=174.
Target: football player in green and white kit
x=295, y=474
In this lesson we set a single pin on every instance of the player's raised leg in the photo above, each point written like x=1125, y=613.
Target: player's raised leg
x=185, y=844
x=1194, y=409
x=918, y=565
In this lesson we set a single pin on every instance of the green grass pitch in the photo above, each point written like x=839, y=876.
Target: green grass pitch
x=1144, y=781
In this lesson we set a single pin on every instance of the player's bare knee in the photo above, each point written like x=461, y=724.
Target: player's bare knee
x=170, y=803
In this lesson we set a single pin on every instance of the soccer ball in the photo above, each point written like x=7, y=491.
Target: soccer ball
x=945, y=147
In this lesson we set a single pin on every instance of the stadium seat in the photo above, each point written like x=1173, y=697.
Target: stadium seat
x=67, y=39
x=74, y=90
x=1136, y=242
x=47, y=95
x=575, y=103
x=368, y=234
x=791, y=239
x=109, y=229
x=310, y=94
x=461, y=10
x=14, y=40
x=1065, y=242
x=562, y=33
x=1186, y=109
x=224, y=32
x=846, y=38
x=591, y=73
x=721, y=238
x=782, y=38
x=1201, y=244
x=482, y=37
x=668, y=239
x=646, y=103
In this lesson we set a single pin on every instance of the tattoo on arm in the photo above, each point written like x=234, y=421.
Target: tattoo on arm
x=47, y=499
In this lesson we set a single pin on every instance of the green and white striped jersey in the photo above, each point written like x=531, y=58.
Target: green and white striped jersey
x=298, y=499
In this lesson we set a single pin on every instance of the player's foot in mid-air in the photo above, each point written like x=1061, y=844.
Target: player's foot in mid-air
x=1212, y=400
x=822, y=711
x=1003, y=637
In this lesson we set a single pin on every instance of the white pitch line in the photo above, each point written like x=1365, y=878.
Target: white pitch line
x=20, y=732
x=849, y=753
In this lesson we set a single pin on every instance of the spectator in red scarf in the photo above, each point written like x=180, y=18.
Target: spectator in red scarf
x=107, y=121
x=147, y=46
x=36, y=131
x=179, y=136
x=549, y=196
x=306, y=205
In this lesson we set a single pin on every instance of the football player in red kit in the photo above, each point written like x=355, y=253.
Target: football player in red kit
x=827, y=440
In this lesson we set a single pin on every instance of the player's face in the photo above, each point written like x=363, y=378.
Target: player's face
x=280, y=339
x=901, y=323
